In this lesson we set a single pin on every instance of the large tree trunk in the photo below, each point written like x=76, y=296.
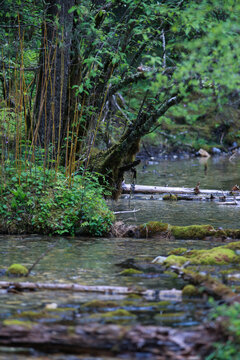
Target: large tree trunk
x=120, y=157
x=53, y=76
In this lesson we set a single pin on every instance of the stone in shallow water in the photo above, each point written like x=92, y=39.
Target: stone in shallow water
x=172, y=295
x=159, y=259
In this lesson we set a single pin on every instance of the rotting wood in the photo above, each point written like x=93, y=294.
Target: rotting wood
x=112, y=290
x=111, y=339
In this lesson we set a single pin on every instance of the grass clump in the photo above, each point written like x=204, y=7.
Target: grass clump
x=45, y=201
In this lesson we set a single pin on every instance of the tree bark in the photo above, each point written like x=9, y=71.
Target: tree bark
x=112, y=163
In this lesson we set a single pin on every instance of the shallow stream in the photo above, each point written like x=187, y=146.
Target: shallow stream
x=93, y=261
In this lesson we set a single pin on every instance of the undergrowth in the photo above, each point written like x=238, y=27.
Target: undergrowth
x=230, y=320
x=46, y=202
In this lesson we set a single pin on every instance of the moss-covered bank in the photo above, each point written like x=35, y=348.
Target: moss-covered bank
x=157, y=228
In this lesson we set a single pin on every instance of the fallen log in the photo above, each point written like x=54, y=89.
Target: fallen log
x=72, y=287
x=161, y=342
x=174, y=295
x=145, y=189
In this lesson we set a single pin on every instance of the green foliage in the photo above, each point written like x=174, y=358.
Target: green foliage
x=230, y=318
x=229, y=351
x=44, y=201
x=231, y=315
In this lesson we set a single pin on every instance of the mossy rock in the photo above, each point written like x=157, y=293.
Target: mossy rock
x=119, y=316
x=118, y=313
x=233, y=233
x=61, y=309
x=134, y=296
x=14, y=322
x=220, y=290
x=192, y=231
x=233, y=245
x=130, y=272
x=170, y=317
x=170, y=197
x=37, y=315
x=216, y=256
x=189, y=290
x=17, y=270
x=163, y=303
x=97, y=304
x=178, y=251
x=171, y=274
x=229, y=271
x=175, y=260
x=152, y=228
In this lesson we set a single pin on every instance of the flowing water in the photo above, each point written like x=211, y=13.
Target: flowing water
x=214, y=173
x=93, y=261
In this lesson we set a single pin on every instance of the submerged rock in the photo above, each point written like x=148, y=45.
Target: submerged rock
x=159, y=259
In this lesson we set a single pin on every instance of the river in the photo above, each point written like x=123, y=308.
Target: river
x=93, y=261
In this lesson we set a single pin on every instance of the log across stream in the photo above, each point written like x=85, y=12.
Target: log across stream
x=183, y=193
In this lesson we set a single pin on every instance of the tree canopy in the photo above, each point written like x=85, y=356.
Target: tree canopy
x=105, y=73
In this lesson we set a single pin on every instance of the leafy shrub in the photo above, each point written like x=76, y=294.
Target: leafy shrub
x=230, y=318
x=45, y=201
